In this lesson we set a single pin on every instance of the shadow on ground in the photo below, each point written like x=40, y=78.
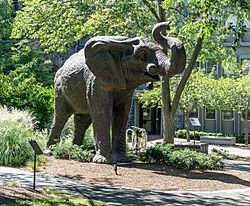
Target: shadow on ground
x=211, y=175
x=240, y=165
x=122, y=196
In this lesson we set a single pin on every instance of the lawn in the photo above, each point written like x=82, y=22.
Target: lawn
x=13, y=196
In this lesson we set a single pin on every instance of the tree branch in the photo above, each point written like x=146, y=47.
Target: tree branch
x=153, y=11
x=186, y=74
x=178, y=11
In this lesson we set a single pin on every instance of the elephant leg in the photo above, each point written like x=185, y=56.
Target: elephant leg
x=62, y=113
x=101, y=124
x=101, y=106
x=81, y=122
x=119, y=126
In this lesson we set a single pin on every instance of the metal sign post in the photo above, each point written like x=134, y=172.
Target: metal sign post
x=195, y=123
x=37, y=151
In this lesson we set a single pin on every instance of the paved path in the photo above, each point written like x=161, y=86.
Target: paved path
x=129, y=197
x=239, y=151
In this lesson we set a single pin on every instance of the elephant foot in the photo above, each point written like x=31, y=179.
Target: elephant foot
x=52, y=142
x=102, y=159
x=123, y=158
x=47, y=152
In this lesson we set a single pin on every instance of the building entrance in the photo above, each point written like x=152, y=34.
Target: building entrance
x=150, y=119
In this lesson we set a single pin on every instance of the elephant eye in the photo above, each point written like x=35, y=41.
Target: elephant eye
x=143, y=56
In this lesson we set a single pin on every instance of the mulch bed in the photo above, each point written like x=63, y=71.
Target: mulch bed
x=147, y=176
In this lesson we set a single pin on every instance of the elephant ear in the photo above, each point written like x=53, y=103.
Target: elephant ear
x=103, y=57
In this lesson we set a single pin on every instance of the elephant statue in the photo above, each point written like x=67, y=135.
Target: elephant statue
x=96, y=85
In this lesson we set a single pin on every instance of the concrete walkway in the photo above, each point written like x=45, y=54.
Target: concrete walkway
x=236, y=150
x=125, y=196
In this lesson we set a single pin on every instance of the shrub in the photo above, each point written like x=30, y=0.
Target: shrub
x=21, y=89
x=62, y=149
x=133, y=154
x=182, y=133
x=184, y=159
x=16, y=129
x=15, y=149
x=82, y=154
x=66, y=150
x=158, y=154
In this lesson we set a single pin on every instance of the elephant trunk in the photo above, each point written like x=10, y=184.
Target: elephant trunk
x=176, y=63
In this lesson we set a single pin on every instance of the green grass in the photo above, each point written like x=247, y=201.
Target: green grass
x=40, y=163
x=57, y=198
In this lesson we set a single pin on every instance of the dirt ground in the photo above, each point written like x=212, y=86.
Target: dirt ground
x=147, y=176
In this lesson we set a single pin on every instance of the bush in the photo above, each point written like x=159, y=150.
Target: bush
x=66, y=150
x=182, y=133
x=159, y=154
x=26, y=81
x=82, y=154
x=16, y=129
x=15, y=149
x=184, y=159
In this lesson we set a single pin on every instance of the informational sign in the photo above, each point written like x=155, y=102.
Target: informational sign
x=195, y=122
x=38, y=151
x=36, y=147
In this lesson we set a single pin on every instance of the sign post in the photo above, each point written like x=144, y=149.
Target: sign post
x=37, y=151
x=195, y=123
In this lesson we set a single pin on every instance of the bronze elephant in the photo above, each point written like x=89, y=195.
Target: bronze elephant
x=96, y=85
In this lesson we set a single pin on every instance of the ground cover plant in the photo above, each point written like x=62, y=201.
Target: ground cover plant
x=167, y=154
x=66, y=150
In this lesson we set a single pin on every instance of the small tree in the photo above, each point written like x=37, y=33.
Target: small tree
x=245, y=103
x=193, y=96
x=230, y=93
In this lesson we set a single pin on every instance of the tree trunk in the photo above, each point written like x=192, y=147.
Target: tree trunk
x=168, y=109
x=246, y=122
x=167, y=115
x=168, y=128
x=246, y=130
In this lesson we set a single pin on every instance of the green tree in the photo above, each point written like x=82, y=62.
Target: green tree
x=26, y=82
x=25, y=76
x=233, y=93
x=245, y=103
x=57, y=24
x=6, y=18
x=193, y=96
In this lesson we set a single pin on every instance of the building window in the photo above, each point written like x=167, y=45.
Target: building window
x=228, y=115
x=245, y=63
x=210, y=114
